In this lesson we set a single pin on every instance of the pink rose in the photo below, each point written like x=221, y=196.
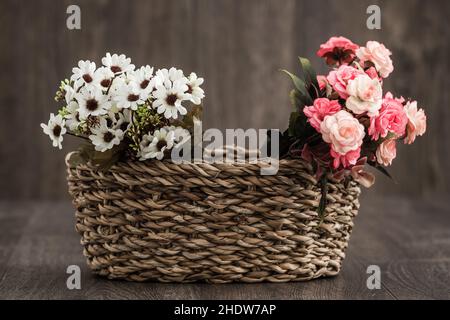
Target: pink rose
x=391, y=118
x=338, y=50
x=322, y=80
x=386, y=152
x=347, y=160
x=372, y=73
x=322, y=107
x=417, y=122
x=340, y=77
x=378, y=54
x=342, y=131
x=365, y=95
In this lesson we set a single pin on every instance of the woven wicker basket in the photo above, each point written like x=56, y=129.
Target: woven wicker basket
x=218, y=223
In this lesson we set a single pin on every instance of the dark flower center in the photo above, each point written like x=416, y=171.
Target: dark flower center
x=57, y=130
x=124, y=126
x=144, y=84
x=189, y=88
x=105, y=83
x=116, y=69
x=171, y=99
x=133, y=97
x=87, y=78
x=109, y=122
x=91, y=104
x=161, y=144
x=108, y=136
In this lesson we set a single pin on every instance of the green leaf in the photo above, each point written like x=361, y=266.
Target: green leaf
x=309, y=75
x=301, y=87
x=381, y=169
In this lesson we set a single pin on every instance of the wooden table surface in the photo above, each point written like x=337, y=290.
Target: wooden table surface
x=408, y=239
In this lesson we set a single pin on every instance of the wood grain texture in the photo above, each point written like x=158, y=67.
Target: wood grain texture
x=238, y=46
x=409, y=240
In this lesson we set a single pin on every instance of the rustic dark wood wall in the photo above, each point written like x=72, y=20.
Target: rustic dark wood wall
x=237, y=46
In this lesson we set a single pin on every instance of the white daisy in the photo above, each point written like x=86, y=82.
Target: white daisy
x=168, y=98
x=142, y=78
x=70, y=93
x=55, y=129
x=117, y=64
x=116, y=86
x=103, y=77
x=92, y=102
x=73, y=119
x=119, y=120
x=161, y=140
x=104, y=138
x=143, y=146
x=173, y=74
x=128, y=96
x=84, y=73
x=196, y=93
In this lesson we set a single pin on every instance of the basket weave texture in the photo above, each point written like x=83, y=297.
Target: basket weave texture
x=218, y=223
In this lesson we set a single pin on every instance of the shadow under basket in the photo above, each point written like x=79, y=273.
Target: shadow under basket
x=218, y=223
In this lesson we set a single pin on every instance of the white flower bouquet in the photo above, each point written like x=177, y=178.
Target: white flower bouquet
x=124, y=112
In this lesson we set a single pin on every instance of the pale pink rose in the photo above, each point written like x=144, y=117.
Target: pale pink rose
x=365, y=95
x=379, y=55
x=322, y=107
x=417, y=122
x=322, y=80
x=347, y=160
x=342, y=131
x=386, y=152
x=338, y=50
x=340, y=77
x=391, y=118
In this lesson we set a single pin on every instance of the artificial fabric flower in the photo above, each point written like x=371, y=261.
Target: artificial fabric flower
x=171, y=75
x=379, y=55
x=417, y=122
x=391, y=118
x=196, y=93
x=322, y=81
x=92, y=102
x=160, y=141
x=340, y=77
x=84, y=73
x=342, y=131
x=338, y=50
x=73, y=118
x=117, y=63
x=365, y=95
x=322, y=107
x=104, y=138
x=386, y=152
x=129, y=96
x=168, y=98
x=70, y=93
x=55, y=129
x=143, y=80
x=103, y=77
x=346, y=160
x=119, y=119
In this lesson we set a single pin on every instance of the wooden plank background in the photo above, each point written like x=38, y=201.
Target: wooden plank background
x=238, y=47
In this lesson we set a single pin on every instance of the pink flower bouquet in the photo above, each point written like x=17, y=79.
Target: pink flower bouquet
x=344, y=120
